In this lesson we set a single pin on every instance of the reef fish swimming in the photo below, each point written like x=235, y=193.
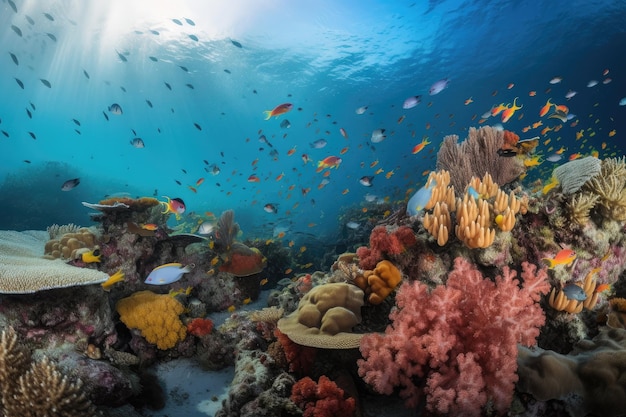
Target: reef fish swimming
x=564, y=257
x=278, y=110
x=167, y=273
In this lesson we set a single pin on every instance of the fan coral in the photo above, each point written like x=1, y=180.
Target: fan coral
x=155, y=315
x=460, y=339
x=321, y=399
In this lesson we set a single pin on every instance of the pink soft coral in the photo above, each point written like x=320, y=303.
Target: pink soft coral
x=458, y=340
x=324, y=399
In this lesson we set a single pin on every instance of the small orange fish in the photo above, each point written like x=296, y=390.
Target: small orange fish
x=312, y=224
x=192, y=188
x=602, y=287
x=511, y=85
x=263, y=281
x=280, y=235
x=537, y=124
x=231, y=309
x=612, y=133
x=374, y=163
x=346, y=191
x=199, y=182
x=468, y=101
x=329, y=162
x=532, y=93
x=561, y=150
x=389, y=174
x=302, y=249
x=149, y=226
x=498, y=109
x=280, y=176
x=508, y=112
x=343, y=150
x=401, y=119
x=278, y=110
x=580, y=134
x=546, y=108
x=545, y=130
x=255, y=162
x=379, y=171
x=563, y=257
x=575, y=156
x=247, y=301
x=254, y=178
x=291, y=151
x=420, y=146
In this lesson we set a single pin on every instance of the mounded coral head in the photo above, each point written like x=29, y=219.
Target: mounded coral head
x=381, y=281
x=155, y=315
x=325, y=317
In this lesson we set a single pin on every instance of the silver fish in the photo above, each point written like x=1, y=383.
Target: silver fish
x=116, y=109
x=138, y=143
x=318, y=144
x=70, y=184
x=438, y=86
x=411, y=102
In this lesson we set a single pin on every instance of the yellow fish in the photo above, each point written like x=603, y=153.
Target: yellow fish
x=117, y=277
x=550, y=185
x=91, y=256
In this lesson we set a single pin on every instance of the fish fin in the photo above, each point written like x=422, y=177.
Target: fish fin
x=268, y=114
x=549, y=262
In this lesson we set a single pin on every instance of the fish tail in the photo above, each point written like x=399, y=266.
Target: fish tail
x=549, y=262
x=268, y=114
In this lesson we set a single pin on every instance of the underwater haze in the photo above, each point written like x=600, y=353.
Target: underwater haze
x=82, y=81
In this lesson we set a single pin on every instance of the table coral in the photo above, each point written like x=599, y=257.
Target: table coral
x=155, y=315
x=325, y=317
x=459, y=340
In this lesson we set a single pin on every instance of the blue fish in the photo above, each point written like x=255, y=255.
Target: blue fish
x=574, y=292
x=167, y=273
x=419, y=199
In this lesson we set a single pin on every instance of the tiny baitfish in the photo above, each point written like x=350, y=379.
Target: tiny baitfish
x=167, y=273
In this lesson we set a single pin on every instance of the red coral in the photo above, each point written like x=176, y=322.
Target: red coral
x=384, y=243
x=300, y=357
x=464, y=338
x=200, y=327
x=324, y=399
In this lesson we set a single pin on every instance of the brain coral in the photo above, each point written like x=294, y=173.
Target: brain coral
x=155, y=315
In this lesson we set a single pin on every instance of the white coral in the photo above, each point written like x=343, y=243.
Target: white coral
x=23, y=270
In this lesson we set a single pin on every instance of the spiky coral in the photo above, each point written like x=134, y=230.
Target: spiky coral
x=36, y=389
x=609, y=186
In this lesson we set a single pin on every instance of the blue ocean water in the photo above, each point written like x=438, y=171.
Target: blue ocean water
x=193, y=79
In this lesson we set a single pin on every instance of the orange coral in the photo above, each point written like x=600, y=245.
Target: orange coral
x=155, y=315
x=381, y=281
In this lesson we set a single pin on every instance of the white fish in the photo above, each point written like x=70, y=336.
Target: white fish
x=378, y=135
x=361, y=110
x=570, y=94
x=352, y=225
x=555, y=157
x=606, y=81
x=167, y=273
x=411, y=102
x=486, y=115
x=206, y=228
x=370, y=198
x=592, y=83
x=622, y=101
x=438, y=86
x=556, y=80
x=138, y=143
x=116, y=109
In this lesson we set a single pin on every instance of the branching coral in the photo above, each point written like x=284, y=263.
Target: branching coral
x=36, y=389
x=383, y=243
x=609, y=186
x=476, y=156
x=458, y=340
x=155, y=315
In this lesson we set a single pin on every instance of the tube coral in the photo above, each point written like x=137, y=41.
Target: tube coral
x=460, y=340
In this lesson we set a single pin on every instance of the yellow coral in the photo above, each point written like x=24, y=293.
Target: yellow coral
x=381, y=281
x=155, y=315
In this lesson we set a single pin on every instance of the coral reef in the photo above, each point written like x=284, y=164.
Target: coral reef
x=476, y=156
x=155, y=315
x=35, y=389
x=384, y=242
x=466, y=357
x=70, y=245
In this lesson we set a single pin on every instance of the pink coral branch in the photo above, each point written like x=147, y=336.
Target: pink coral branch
x=457, y=344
